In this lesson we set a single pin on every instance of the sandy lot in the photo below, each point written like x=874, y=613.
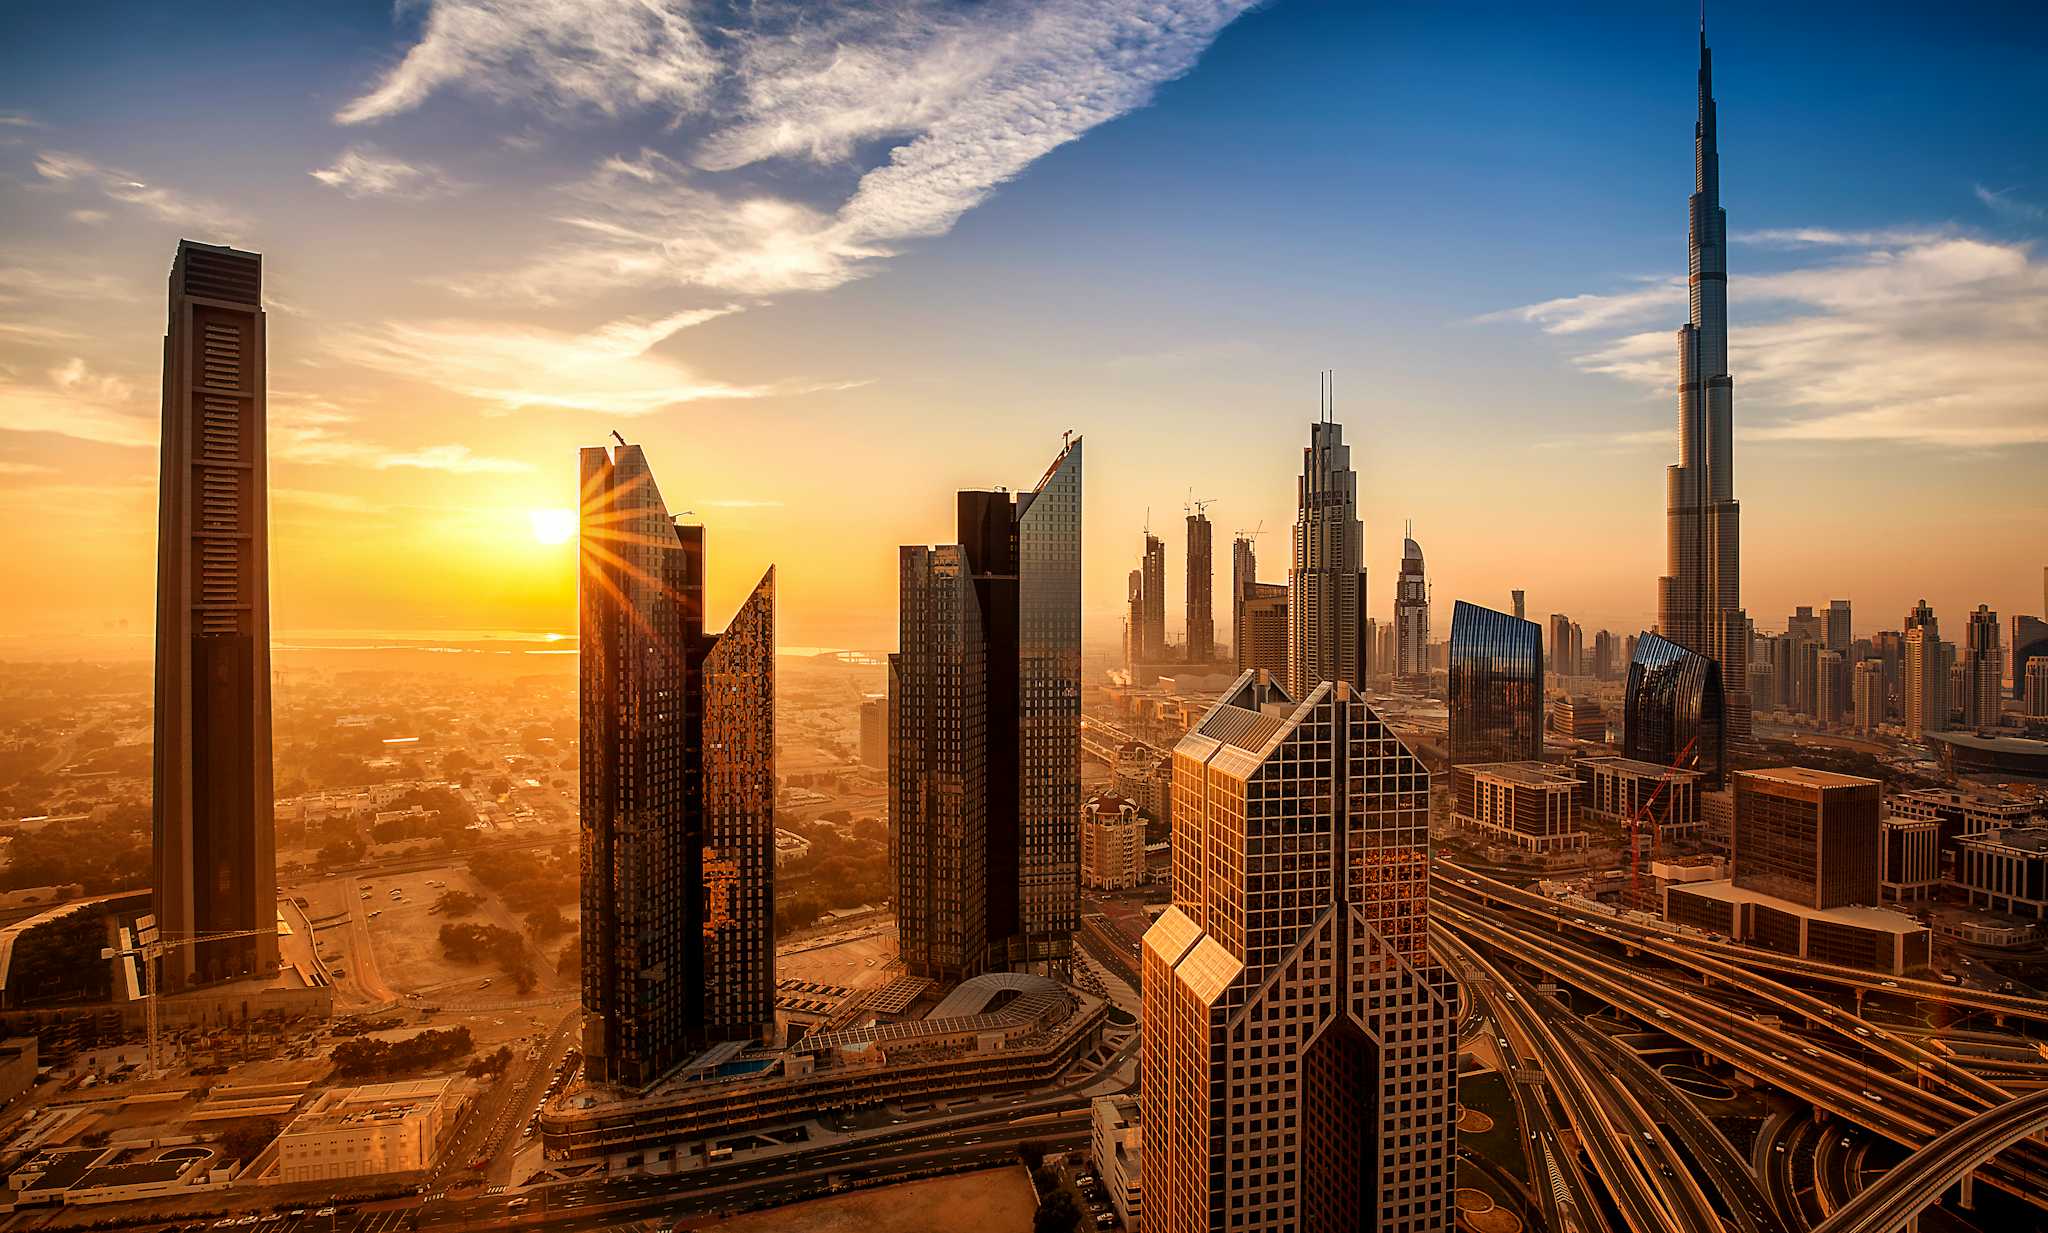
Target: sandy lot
x=857, y=961
x=994, y=1201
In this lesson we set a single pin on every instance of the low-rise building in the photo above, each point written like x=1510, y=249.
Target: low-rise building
x=2006, y=870
x=1578, y=719
x=1117, y=1141
x=1144, y=774
x=1532, y=805
x=1962, y=812
x=356, y=1132
x=1872, y=938
x=1668, y=796
x=1911, y=850
x=1112, y=843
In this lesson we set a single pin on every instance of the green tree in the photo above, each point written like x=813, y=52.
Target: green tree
x=245, y=1140
x=1058, y=1214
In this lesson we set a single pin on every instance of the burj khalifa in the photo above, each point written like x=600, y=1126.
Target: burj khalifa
x=1699, y=600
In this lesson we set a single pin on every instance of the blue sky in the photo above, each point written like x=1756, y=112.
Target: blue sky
x=490, y=240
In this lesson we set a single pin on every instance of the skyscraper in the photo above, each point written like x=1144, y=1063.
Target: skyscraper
x=1298, y=1056
x=1244, y=574
x=1134, y=624
x=1264, y=629
x=1496, y=687
x=1869, y=694
x=1830, y=689
x=1839, y=633
x=1153, y=628
x=215, y=842
x=1983, y=670
x=1520, y=606
x=1807, y=836
x=677, y=731
x=2029, y=641
x=1411, y=615
x=1673, y=710
x=1927, y=680
x=1013, y=652
x=1201, y=584
x=1699, y=600
x=1326, y=581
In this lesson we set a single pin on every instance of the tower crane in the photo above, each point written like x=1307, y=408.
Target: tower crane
x=1641, y=814
x=1198, y=506
x=150, y=947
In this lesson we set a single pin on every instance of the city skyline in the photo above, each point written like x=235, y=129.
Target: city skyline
x=393, y=420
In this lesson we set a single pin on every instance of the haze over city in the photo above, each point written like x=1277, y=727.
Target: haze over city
x=805, y=253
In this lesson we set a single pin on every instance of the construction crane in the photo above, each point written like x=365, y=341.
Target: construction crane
x=1636, y=820
x=1198, y=506
x=150, y=947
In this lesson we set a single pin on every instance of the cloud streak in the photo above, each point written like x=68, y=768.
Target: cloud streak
x=361, y=171
x=170, y=205
x=2002, y=203
x=1918, y=337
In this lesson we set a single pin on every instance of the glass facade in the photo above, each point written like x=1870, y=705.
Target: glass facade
x=677, y=788
x=1673, y=711
x=1496, y=686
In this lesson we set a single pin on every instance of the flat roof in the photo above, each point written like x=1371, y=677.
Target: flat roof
x=1882, y=920
x=2017, y=838
x=2002, y=744
x=1636, y=766
x=1526, y=774
x=1807, y=777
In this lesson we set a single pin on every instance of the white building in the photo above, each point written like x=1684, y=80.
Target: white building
x=1112, y=844
x=1117, y=1141
x=355, y=1132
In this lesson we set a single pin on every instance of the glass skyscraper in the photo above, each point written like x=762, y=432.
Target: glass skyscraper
x=1673, y=712
x=1496, y=686
x=1326, y=637
x=677, y=789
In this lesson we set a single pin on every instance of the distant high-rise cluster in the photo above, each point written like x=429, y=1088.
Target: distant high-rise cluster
x=985, y=732
x=1699, y=600
x=1326, y=638
x=677, y=732
x=1411, y=616
x=1297, y=1044
x=212, y=798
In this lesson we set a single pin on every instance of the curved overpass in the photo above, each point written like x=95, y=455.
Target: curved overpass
x=1896, y=1200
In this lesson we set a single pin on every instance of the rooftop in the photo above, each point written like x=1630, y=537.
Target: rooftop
x=1638, y=767
x=1883, y=920
x=1807, y=777
x=2031, y=839
x=1525, y=774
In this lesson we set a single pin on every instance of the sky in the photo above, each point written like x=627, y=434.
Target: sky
x=829, y=264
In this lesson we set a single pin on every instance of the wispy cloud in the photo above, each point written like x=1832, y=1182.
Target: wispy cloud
x=611, y=369
x=2001, y=202
x=18, y=119
x=362, y=171
x=602, y=55
x=170, y=205
x=307, y=429
x=26, y=283
x=456, y=458
x=1829, y=237
x=1578, y=314
x=72, y=400
x=1923, y=337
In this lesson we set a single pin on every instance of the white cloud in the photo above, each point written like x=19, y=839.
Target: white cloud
x=1921, y=337
x=361, y=171
x=456, y=458
x=167, y=204
x=610, y=369
x=606, y=55
x=310, y=430
x=17, y=119
x=91, y=218
x=22, y=283
x=1828, y=237
x=2002, y=203
x=74, y=401
x=1577, y=314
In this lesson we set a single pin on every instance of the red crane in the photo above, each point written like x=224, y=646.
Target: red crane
x=1635, y=821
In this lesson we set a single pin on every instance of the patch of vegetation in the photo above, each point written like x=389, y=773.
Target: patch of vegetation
x=60, y=962
x=364, y=1057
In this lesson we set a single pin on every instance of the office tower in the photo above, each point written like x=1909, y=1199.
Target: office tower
x=1983, y=670
x=1520, y=606
x=1926, y=674
x=1763, y=684
x=1805, y=621
x=1379, y=641
x=1265, y=629
x=938, y=767
x=2029, y=641
x=215, y=842
x=1326, y=578
x=1298, y=1055
x=1134, y=624
x=1628, y=654
x=1810, y=837
x=1869, y=694
x=2037, y=688
x=1154, y=625
x=1244, y=572
x=1559, y=649
x=1890, y=647
x=677, y=729
x=1578, y=650
x=1201, y=581
x=1830, y=696
x=1495, y=686
x=1699, y=600
x=1952, y=669
x=1838, y=634
x=1605, y=655
x=1411, y=615
x=1025, y=550
x=1673, y=710
x=874, y=731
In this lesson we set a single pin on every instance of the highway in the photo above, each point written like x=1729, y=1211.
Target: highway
x=1895, y=1199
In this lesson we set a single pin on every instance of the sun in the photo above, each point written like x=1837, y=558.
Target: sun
x=552, y=526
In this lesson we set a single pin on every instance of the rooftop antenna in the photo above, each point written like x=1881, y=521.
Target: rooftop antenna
x=616, y=437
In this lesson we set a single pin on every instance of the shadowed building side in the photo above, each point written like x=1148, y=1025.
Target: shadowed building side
x=215, y=846
x=1495, y=686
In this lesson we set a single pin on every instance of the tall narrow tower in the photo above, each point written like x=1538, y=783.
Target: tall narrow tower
x=1699, y=600
x=1201, y=585
x=1411, y=615
x=1326, y=639
x=215, y=840
x=1244, y=573
x=1153, y=641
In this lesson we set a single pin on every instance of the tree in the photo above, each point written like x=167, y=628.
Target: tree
x=456, y=903
x=546, y=922
x=244, y=1141
x=1058, y=1214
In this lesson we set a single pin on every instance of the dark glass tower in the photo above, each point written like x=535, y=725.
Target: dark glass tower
x=678, y=788
x=1326, y=637
x=1674, y=710
x=1496, y=686
x=1201, y=583
x=215, y=840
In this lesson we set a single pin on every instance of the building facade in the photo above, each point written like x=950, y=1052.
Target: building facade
x=1699, y=599
x=1621, y=788
x=2006, y=871
x=2037, y=688
x=1927, y=677
x=1806, y=836
x=1868, y=694
x=1152, y=629
x=1326, y=638
x=677, y=788
x=1299, y=1067
x=1496, y=686
x=215, y=840
x=1244, y=575
x=1117, y=1140
x=1531, y=805
x=1263, y=629
x=1411, y=617
x=1112, y=843
x=2029, y=642
x=363, y=1131
x=1983, y=667
x=1673, y=711
x=1911, y=870
x=1578, y=719
x=1201, y=589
